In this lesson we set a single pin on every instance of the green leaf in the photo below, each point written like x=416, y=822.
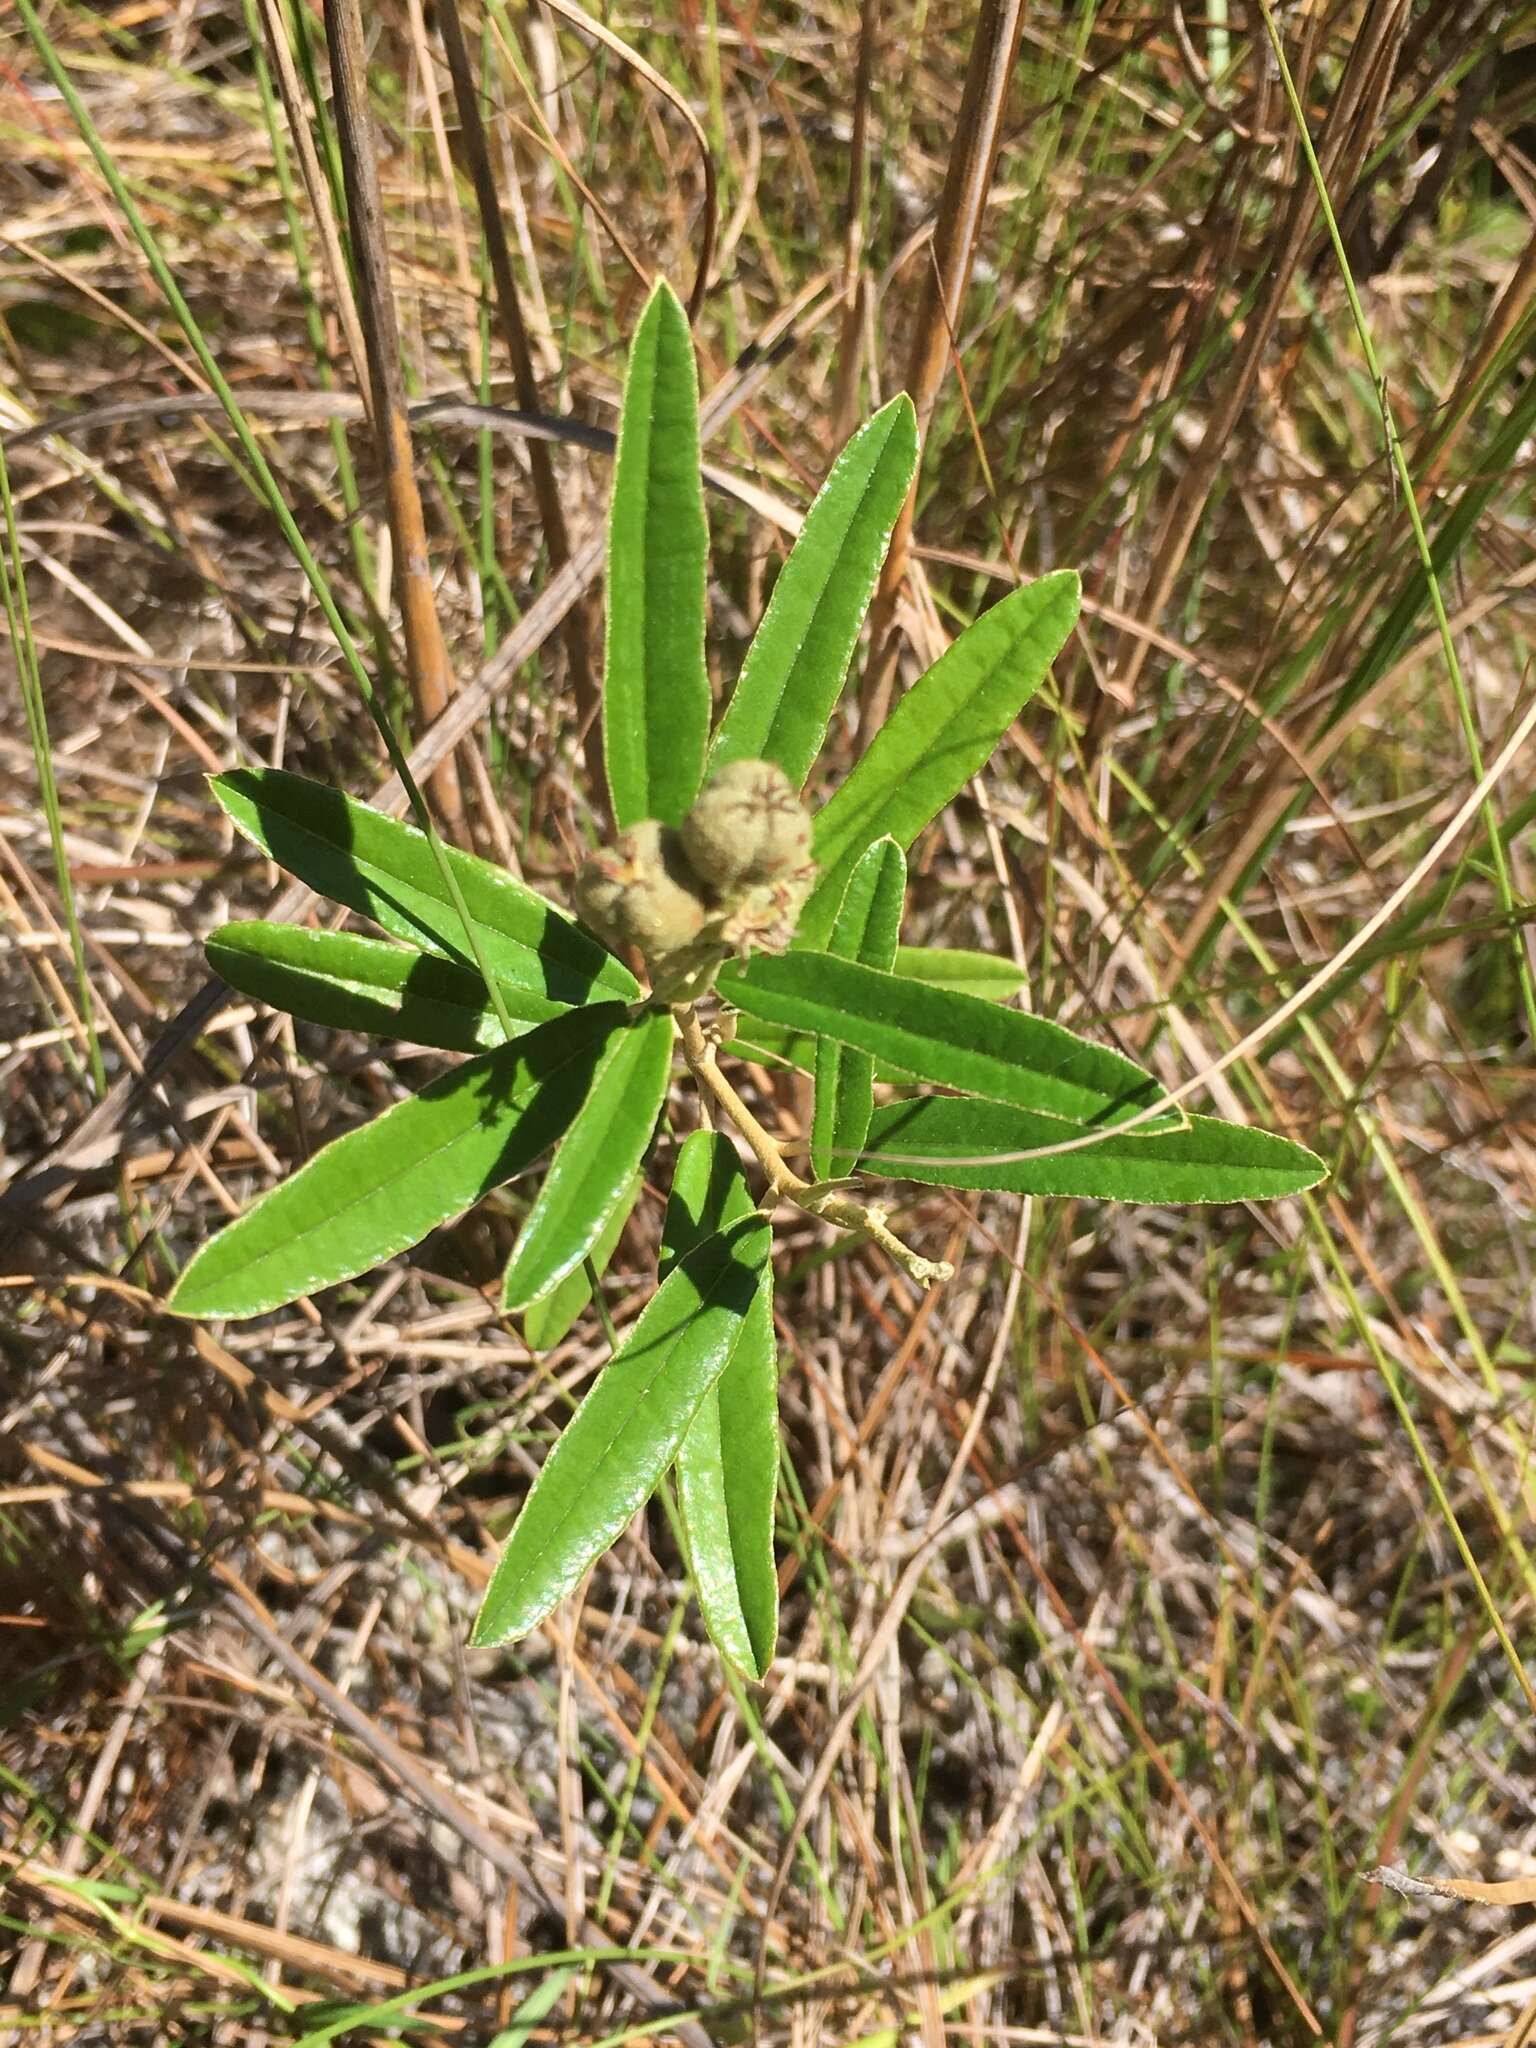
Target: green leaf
x=627, y=1431
x=794, y=670
x=992, y=975
x=551, y=1317
x=378, y=1190
x=608, y=1137
x=954, y=1040
x=866, y=930
x=728, y=1464
x=956, y=1144
x=357, y=984
x=373, y=864
x=938, y=736
x=656, y=700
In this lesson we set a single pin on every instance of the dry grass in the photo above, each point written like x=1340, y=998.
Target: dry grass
x=1144, y=1588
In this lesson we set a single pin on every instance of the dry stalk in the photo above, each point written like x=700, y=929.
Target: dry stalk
x=978, y=131
x=426, y=656
x=1351, y=122
x=577, y=630
x=855, y=284
x=316, y=190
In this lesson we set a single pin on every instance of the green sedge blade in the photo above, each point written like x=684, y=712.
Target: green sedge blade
x=357, y=984
x=627, y=1431
x=952, y=1143
x=598, y=1156
x=385, y=870
x=794, y=670
x=380, y=1189
x=656, y=698
x=866, y=930
x=939, y=735
x=955, y=1041
x=727, y=1466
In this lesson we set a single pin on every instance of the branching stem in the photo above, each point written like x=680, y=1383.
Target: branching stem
x=784, y=1184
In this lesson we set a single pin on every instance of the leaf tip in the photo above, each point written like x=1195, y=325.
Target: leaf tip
x=1309, y=1162
x=663, y=303
x=486, y=1635
x=183, y=1300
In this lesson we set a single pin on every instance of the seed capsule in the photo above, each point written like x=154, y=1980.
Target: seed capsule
x=640, y=892
x=748, y=826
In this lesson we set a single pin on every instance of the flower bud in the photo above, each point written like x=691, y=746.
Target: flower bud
x=639, y=892
x=749, y=826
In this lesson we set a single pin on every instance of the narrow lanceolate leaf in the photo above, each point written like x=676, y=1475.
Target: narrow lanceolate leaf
x=627, y=1430
x=728, y=1465
x=380, y=1189
x=866, y=931
x=607, y=1139
x=553, y=1315
x=992, y=975
x=956, y=1041
x=375, y=865
x=656, y=702
x=356, y=984
x=957, y=1144
x=944, y=730
x=794, y=670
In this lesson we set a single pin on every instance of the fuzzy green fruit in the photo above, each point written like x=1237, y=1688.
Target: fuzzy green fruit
x=641, y=892
x=748, y=827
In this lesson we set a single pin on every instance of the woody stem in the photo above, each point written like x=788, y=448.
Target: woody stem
x=783, y=1182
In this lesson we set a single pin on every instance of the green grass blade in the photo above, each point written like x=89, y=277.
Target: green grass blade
x=656, y=701
x=728, y=1463
x=386, y=870
x=551, y=1317
x=939, y=735
x=380, y=1189
x=954, y=1040
x=597, y=1160
x=357, y=984
x=952, y=1143
x=866, y=931
x=794, y=670
x=627, y=1430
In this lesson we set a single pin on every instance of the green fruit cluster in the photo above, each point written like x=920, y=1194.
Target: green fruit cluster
x=732, y=877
